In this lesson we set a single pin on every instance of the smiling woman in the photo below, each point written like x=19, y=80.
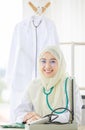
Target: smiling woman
x=52, y=88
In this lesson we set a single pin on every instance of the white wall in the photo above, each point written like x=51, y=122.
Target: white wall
x=10, y=15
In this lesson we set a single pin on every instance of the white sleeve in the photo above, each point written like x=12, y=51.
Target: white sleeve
x=23, y=108
x=62, y=118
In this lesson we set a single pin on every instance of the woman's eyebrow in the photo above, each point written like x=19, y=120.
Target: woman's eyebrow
x=52, y=59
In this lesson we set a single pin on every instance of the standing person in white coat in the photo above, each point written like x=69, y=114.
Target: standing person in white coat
x=29, y=37
x=49, y=92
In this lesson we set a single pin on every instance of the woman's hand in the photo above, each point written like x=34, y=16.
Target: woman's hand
x=31, y=116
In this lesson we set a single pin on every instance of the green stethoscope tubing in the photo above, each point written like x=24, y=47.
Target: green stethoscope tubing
x=50, y=91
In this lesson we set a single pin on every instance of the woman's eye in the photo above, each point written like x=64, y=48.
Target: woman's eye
x=52, y=61
x=43, y=61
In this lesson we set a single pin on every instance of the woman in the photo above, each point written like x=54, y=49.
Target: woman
x=51, y=91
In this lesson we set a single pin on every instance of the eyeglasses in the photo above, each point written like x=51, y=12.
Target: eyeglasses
x=52, y=62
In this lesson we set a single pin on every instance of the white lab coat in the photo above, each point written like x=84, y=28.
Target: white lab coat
x=21, y=67
x=28, y=104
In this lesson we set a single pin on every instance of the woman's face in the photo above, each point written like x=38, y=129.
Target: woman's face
x=48, y=65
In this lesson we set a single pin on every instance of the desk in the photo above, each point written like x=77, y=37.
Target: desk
x=80, y=128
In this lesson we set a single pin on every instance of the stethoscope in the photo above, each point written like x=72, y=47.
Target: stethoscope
x=50, y=91
x=36, y=47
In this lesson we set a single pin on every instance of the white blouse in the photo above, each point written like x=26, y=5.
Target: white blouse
x=28, y=106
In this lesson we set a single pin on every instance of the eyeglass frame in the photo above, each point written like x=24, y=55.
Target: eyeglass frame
x=52, y=62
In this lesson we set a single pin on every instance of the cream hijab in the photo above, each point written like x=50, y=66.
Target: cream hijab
x=60, y=75
x=57, y=97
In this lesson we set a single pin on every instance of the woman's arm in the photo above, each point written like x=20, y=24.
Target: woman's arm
x=62, y=118
x=23, y=108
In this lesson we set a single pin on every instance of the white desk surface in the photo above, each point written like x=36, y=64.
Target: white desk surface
x=81, y=127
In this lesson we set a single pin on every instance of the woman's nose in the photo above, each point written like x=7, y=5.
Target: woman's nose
x=47, y=65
